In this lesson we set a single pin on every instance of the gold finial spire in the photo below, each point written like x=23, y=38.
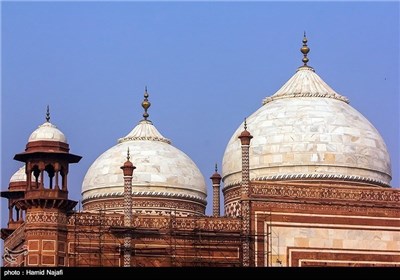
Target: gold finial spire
x=245, y=124
x=216, y=168
x=305, y=50
x=128, y=155
x=48, y=114
x=145, y=104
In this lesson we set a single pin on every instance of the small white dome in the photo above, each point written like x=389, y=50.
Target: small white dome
x=161, y=169
x=308, y=131
x=47, y=132
x=19, y=176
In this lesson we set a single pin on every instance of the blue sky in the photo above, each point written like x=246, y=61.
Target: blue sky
x=207, y=65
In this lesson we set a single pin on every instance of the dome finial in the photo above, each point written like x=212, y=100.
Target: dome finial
x=145, y=104
x=216, y=168
x=48, y=114
x=128, y=156
x=305, y=50
x=245, y=124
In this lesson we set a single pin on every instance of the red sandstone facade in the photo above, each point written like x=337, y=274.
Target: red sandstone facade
x=267, y=223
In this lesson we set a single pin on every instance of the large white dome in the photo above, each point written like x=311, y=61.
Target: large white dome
x=161, y=169
x=306, y=130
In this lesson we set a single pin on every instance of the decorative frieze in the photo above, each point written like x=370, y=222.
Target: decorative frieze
x=370, y=195
x=93, y=219
x=231, y=194
x=41, y=233
x=314, y=177
x=157, y=222
x=327, y=194
x=45, y=217
x=307, y=94
x=167, y=195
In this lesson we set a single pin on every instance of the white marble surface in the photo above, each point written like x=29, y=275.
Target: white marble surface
x=309, y=134
x=359, y=240
x=47, y=132
x=19, y=176
x=144, y=131
x=305, y=82
x=160, y=167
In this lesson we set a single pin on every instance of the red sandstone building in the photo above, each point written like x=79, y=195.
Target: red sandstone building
x=306, y=182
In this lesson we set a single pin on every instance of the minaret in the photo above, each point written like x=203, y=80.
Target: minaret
x=245, y=138
x=128, y=172
x=45, y=200
x=216, y=183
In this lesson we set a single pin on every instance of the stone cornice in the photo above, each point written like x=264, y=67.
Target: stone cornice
x=294, y=95
x=377, y=196
x=144, y=138
x=313, y=177
x=148, y=194
x=46, y=217
x=325, y=207
x=222, y=224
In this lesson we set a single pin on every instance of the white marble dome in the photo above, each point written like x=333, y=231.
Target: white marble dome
x=161, y=169
x=307, y=130
x=47, y=132
x=19, y=176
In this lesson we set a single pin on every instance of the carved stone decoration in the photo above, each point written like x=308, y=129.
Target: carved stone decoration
x=331, y=193
x=233, y=209
x=10, y=256
x=232, y=193
x=48, y=217
x=328, y=208
x=127, y=250
x=246, y=232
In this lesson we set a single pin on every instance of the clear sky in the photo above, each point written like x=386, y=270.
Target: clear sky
x=207, y=65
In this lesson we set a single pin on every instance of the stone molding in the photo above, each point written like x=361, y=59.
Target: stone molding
x=148, y=206
x=147, y=194
x=158, y=222
x=308, y=94
x=313, y=176
x=46, y=218
x=144, y=138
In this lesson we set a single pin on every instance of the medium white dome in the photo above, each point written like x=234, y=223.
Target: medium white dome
x=161, y=169
x=306, y=130
x=19, y=176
